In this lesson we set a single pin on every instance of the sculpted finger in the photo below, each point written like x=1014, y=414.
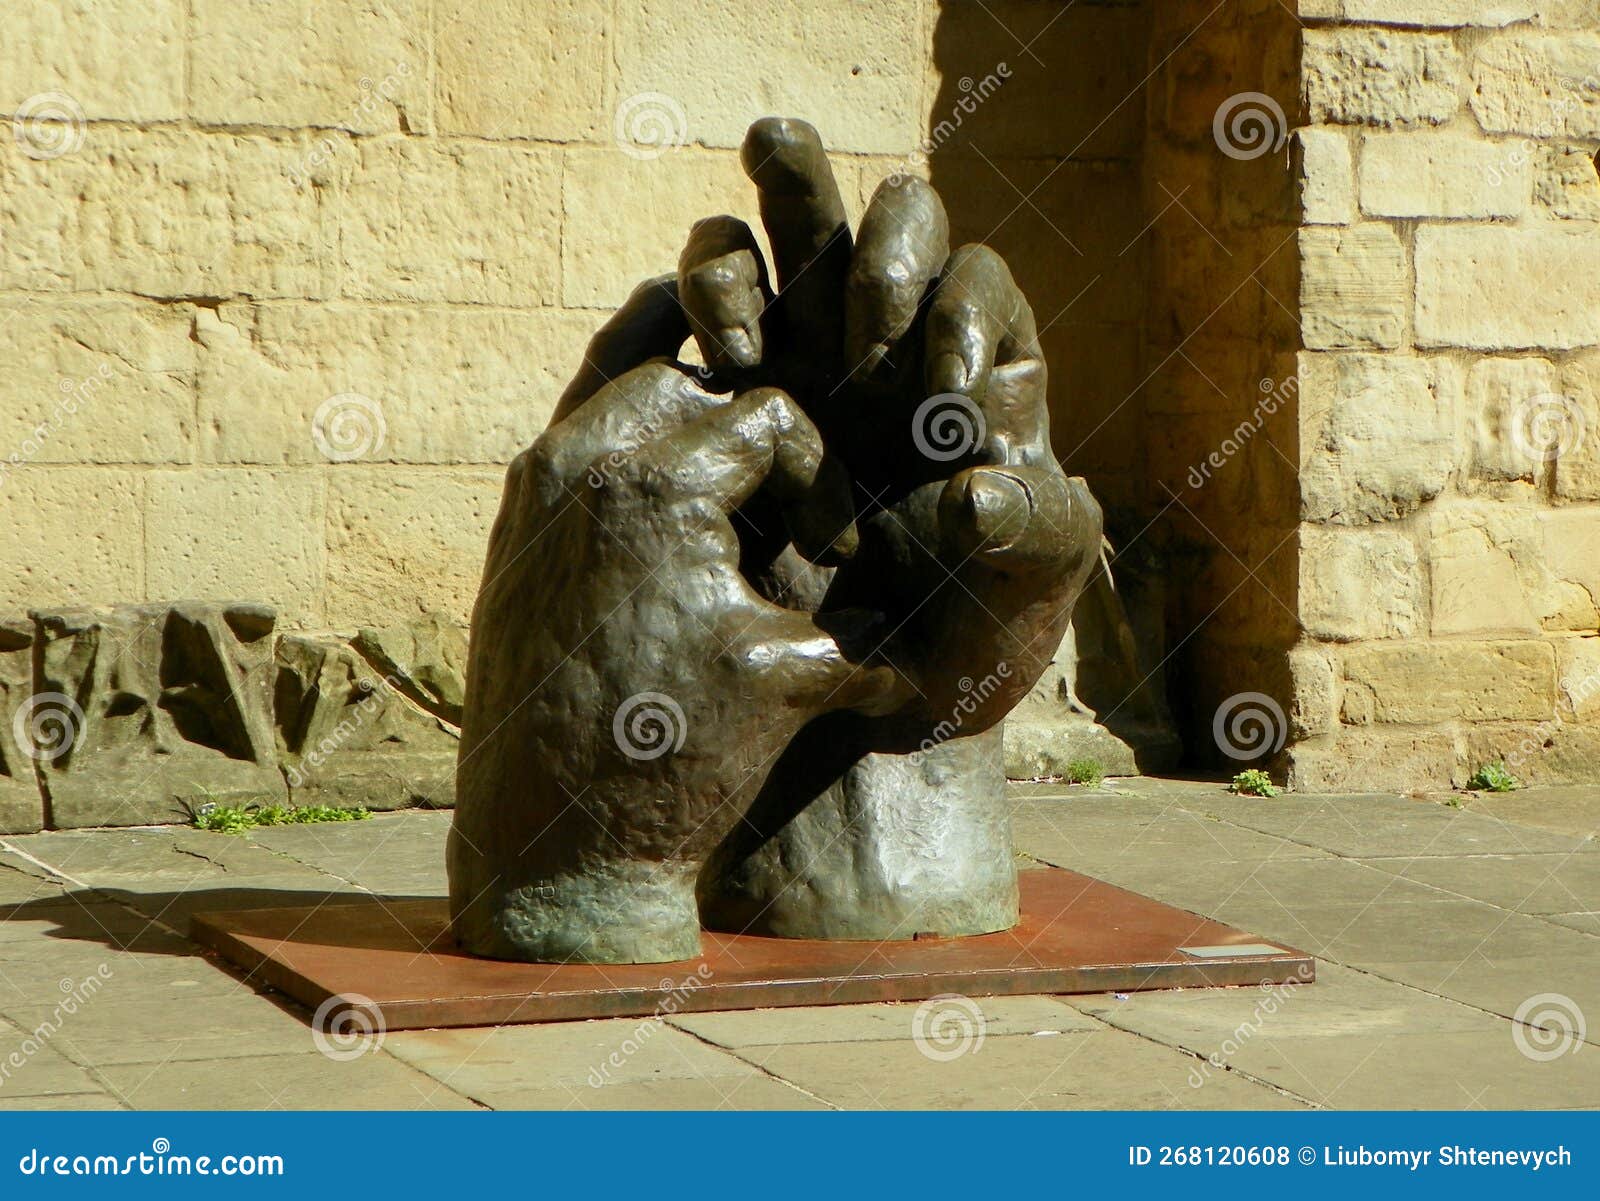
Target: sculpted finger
x=650, y=324
x=722, y=285
x=1019, y=517
x=760, y=440
x=902, y=247
x=818, y=660
x=978, y=319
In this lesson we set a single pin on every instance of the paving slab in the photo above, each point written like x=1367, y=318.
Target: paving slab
x=745, y=1093
x=1564, y=810
x=1560, y=882
x=374, y=1080
x=42, y=1070
x=60, y=1101
x=1499, y=981
x=390, y=854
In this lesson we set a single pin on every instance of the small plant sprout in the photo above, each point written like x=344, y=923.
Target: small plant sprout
x=234, y=819
x=1494, y=777
x=1085, y=771
x=1253, y=782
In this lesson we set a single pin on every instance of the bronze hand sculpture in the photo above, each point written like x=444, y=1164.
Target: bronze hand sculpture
x=747, y=630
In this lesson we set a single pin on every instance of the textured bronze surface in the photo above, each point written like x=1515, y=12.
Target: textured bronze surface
x=1076, y=935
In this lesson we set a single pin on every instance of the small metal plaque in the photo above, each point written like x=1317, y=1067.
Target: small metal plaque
x=1226, y=950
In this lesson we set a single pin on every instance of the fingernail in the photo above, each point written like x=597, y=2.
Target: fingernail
x=1000, y=506
x=947, y=373
x=739, y=346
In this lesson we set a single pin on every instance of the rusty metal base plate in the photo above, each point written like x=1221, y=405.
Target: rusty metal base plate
x=1077, y=935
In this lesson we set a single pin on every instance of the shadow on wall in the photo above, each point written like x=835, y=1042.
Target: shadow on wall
x=1034, y=141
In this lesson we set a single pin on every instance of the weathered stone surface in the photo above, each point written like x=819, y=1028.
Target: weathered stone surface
x=210, y=531
x=1380, y=77
x=1326, y=177
x=1565, y=183
x=116, y=58
x=1435, y=174
x=1439, y=14
x=403, y=542
x=1313, y=692
x=483, y=390
x=425, y=661
x=101, y=557
x=1377, y=434
x=21, y=803
x=1578, y=677
x=173, y=708
x=165, y=212
x=1501, y=288
x=348, y=736
x=1360, y=583
x=1498, y=399
x=1353, y=289
x=416, y=223
x=1371, y=760
x=853, y=67
x=1473, y=573
x=359, y=66
x=1577, y=466
x=1561, y=568
x=1542, y=84
x=1415, y=682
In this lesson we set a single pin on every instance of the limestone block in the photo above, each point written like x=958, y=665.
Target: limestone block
x=1565, y=183
x=1353, y=287
x=172, y=213
x=1578, y=676
x=1419, y=682
x=1475, y=576
x=1377, y=434
x=424, y=660
x=361, y=65
x=402, y=542
x=454, y=222
x=143, y=709
x=347, y=736
x=95, y=382
x=1360, y=583
x=1313, y=692
x=1372, y=760
x=21, y=803
x=1542, y=84
x=118, y=59
x=1326, y=178
x=852, y=68
x=1438, y=14
x=507, y=72
x=296, y=384
x=627, y=218
x=1441, y=175
x=101, y=507
x=1380, y=77
x=1577, y=466
x=1501, y=402
x=217, y=531
x=1491, y=287
x=1562, y=567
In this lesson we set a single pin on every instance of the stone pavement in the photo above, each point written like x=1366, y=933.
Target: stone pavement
x=1433, y=926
